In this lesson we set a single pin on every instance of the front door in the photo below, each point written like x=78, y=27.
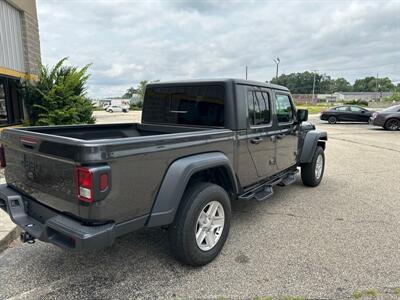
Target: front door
x=287, y=135
x=260, y=140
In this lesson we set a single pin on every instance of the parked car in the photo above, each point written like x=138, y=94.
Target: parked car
x=106, y=105
x=388, y=118
x=200, y=146
x=117, y=108
x=351, y=113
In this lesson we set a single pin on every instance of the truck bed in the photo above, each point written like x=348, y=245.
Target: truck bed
x=42, y=161
x=109, y=131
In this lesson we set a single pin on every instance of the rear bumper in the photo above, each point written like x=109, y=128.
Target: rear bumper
x=50, y=226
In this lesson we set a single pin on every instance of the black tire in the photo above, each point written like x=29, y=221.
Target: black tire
x=332, y=120
x=308, y=171
x=111, y=111
x=392, y=124
x=182, y=233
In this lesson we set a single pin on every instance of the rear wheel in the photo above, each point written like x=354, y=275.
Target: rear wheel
x=312, y=173
x=392, y=124
x=201, y=225
x=332, y=120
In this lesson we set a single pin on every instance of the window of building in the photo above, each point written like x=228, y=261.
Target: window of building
x=201, y=105
x=284, y=108
x=10, y=102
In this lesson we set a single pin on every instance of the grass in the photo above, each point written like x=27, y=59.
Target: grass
x=397, y=291
x=313, y=109
x=370, y=293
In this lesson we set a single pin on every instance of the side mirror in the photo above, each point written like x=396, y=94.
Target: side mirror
x=302, y=115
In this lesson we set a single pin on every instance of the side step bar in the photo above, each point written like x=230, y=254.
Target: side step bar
x=265, y=191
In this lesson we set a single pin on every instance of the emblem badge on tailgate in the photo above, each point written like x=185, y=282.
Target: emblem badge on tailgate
x=31, y=166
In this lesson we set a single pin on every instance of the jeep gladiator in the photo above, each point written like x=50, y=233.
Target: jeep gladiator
x=200, y=145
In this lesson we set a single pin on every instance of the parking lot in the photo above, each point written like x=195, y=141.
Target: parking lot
x=326, y=242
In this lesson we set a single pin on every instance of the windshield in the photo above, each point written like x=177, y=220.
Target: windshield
x=392, y=109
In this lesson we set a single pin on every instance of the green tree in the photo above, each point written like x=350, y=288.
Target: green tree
x=372, y=84
x=142, y=88
x=341, y=85
x=59, y=96
x=129, y=93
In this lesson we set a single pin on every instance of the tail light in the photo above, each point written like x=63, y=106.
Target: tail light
x=93, y=183
x=85, y=184
x=2, y=157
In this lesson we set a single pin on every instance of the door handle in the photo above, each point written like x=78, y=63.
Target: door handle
x=256, y=140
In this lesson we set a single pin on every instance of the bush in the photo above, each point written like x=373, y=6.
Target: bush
x=395, y=97
x=137, y=106
x=356, y=102
x=59, y=96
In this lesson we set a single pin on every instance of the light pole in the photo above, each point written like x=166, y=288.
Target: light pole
x=277, y=61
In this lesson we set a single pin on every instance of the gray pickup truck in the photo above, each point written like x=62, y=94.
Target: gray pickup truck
x=201, y=144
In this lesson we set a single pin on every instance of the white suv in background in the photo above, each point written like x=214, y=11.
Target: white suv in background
x=117, y=108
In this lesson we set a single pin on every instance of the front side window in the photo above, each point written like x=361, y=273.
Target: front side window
x=284, y=109
x=258, y=108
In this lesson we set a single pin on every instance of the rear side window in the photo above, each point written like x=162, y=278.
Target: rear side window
x=185, y=105
x=355, y=109
x=342, y=108
x=258, y=108
x=284, y=108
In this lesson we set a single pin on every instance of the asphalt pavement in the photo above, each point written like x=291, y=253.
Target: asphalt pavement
x=340, y=240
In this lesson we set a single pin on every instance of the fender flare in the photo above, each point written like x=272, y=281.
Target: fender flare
x=310, y=144
x=176, y=179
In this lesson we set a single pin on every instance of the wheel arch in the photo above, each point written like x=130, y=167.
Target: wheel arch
x=214, y=167
x=312, y=139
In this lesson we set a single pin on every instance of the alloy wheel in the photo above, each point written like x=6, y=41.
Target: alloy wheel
x=210, y=225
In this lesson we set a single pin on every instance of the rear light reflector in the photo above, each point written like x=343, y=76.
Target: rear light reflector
x=103, y=182
x=2, y=157
x=85, y=184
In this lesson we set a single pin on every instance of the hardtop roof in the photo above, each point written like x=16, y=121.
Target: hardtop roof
x=220, y=80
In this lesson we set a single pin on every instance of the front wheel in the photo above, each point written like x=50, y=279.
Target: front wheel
x=392, y=124
x=201, y=225
x=312, y=173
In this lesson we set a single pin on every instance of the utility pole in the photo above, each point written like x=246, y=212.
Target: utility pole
x=376, y=88
x=246, y=72
x=277, y=61
x=313, y=85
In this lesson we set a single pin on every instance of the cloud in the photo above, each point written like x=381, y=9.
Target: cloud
x=128, y=41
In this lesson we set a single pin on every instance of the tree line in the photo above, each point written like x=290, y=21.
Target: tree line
x=302, y=83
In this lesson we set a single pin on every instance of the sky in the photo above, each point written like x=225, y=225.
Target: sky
x=130, y=41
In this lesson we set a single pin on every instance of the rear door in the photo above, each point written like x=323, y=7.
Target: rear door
x=260, y=140
x=344, y=113
x=287, y=135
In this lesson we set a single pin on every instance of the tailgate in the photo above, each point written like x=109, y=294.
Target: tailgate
x=46, y=178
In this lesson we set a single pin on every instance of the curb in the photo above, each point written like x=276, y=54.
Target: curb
x=9, y=238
